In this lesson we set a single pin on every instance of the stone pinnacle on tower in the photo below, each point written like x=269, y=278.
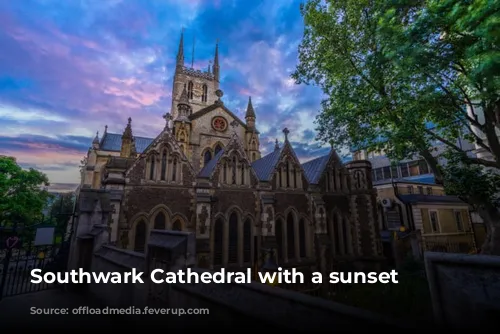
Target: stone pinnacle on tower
x=127, y=133
x=250, y=112
x=216, y=67
x=180, y=52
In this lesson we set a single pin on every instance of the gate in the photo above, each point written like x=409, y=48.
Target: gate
x=22, y=249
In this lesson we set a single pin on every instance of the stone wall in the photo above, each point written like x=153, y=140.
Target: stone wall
x=465, y=289
x=273, y=308
x=229, y=305
x=112, y=259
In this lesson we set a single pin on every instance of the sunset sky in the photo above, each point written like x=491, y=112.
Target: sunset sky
x=67, y=68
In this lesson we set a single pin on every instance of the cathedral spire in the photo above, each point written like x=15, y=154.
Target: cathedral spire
x=180, y=52
x=216, y=67
x=250, y=112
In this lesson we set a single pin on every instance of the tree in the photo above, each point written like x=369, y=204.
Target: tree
x=390, y=69
x=372, y=101
x=60, y=211
x=22, y=197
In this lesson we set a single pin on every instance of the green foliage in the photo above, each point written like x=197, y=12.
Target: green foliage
x=60, y=212
x=391, y=67
x=469, y=181
x=373, y=101
x=21, y=195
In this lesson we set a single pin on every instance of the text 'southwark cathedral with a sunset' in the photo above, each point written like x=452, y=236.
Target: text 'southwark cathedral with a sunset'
x=204, y=173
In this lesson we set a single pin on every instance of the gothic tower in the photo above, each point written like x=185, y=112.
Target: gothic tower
x=200, y=85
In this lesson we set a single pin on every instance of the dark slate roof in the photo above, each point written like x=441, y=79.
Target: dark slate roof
x=207, y=170
x=113, y=142
x=314, y=168
x=264, y=166
x=417, y=198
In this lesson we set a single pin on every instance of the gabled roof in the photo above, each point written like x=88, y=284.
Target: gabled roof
x=314, y=168
x=208, y=169
x=113, y=142
x=264, y=166
x=212, y=107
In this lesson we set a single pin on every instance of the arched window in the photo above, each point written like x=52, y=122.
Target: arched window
x=190, y=90
x=243, y=174
x=217, y=149
x=224, y=172
x=177, y=226
x=278, y=232
x=218, y=242
x=152, y=168
x=174, y=169
x=160, y=221
x=290, y=236
x=302, y=238
x=207, y=156
x=294, y=172
x=140, y=236
x=247, y=241
x=254, y=156
x=345, y=231
x=233, y=239
x=233, y=177
x=287, y=174
x=164, y=165
x=336, y=234
x=204, y=94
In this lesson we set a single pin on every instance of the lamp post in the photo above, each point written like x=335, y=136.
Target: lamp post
x=270, y=266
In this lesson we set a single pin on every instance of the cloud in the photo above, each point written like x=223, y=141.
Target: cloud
x=68, y=68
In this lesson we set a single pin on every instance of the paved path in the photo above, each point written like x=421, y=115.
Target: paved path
x=15, y=312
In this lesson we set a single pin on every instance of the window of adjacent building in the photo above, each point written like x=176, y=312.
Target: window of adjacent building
x=433, y=216
x=423, y=167
x=394, y=172
x=410, y=189
x=387, y=172
x=413, y=168
x=379, y=174
x=420, y=190
x=404, y=170
x=458, y=221
x=429, y=190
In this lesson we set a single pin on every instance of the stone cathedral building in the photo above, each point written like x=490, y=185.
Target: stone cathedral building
x=204, y=173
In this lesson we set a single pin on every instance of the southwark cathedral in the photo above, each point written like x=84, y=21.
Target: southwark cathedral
x=204, y=173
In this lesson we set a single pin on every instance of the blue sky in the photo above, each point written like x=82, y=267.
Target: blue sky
x=67, y=68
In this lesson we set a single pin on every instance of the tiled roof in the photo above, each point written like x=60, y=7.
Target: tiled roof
x=416, y=198
x=265, y=165
x=314, y=168
x=207, y=170
x=113, y=142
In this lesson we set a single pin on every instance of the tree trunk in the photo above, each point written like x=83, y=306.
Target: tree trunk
x=491, y=219
x=433, y=164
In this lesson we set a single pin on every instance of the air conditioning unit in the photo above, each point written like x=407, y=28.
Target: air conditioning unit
x=386, y=203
